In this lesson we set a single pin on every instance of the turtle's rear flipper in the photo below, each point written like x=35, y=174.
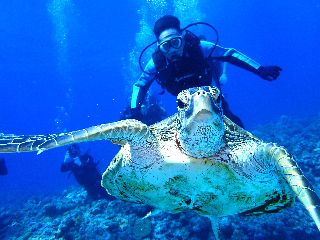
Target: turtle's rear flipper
x=297, y=181
x=119, y=132
x=215, y=225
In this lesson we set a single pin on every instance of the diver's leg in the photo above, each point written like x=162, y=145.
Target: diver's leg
x=227, y=112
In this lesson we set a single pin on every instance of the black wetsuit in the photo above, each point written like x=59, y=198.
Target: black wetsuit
x=192, y=69
x=87, y=176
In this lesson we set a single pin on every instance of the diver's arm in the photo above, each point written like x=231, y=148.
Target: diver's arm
x=239, y=59
x=141, y=87
x=67, y=166
x=138, y=95
x=229, y=55
x=224, y=78
x=87, y=161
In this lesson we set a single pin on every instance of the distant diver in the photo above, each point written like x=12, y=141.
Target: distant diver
x=151, y=112
x=182, y=60
x=3, y=167
x=84, y=169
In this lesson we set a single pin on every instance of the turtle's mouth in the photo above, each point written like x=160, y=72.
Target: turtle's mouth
x=203, y=114
x=204, y=107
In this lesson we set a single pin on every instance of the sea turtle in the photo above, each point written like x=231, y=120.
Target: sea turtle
x=196, y=160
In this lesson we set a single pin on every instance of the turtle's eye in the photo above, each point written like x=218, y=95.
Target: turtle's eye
x=181, y=104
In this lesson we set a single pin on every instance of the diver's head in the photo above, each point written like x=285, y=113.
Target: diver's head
x=164, y=23
x=169, y=36
x=74, y=150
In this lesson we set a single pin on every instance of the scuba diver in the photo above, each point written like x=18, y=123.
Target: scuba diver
x=84, y=169
x=3, y=167
x=183, y=61
x=151, y=110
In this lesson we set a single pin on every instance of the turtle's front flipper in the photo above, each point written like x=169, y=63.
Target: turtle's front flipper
x=297, y=181
x=118, y=132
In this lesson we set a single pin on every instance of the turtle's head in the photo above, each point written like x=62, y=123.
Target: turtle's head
x=202, y=127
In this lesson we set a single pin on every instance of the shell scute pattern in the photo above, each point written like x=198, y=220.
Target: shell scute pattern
x=232, y=172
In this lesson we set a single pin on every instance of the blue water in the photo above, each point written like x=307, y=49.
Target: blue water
x=63, y=66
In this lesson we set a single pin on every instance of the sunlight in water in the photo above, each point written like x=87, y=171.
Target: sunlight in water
x=58, y=11
x=188, y=11
x=62, y=13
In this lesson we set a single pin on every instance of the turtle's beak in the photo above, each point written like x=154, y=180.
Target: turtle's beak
x=203, y=105
x=204, y=108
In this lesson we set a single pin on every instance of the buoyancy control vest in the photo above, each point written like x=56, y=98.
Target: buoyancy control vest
x=190, y=70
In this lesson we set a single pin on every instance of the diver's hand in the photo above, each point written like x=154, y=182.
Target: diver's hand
x=269, y=73
x=223, y=79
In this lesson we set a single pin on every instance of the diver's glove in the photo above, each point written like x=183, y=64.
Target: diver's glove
x=269, y=73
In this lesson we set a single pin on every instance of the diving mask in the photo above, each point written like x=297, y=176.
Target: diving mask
x=173, y=42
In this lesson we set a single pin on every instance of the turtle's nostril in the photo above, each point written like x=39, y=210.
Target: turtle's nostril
x=202, y=93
